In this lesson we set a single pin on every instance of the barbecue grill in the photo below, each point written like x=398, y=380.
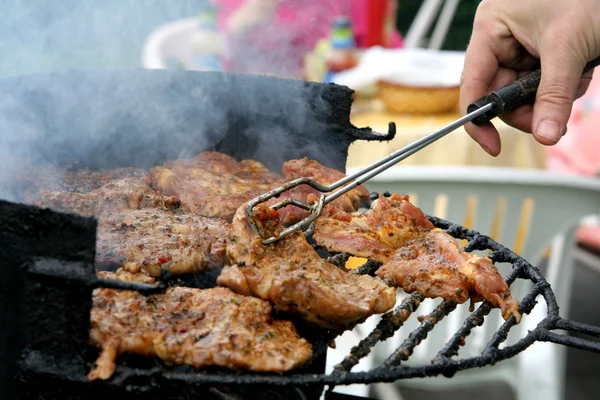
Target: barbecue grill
x=48, y=271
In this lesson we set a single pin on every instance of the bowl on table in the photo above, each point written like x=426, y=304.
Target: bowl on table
x=418, y=100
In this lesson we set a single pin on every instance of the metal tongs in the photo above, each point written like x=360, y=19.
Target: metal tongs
x=507, y=98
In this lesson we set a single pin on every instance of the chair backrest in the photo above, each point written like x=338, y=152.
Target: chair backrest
x=429, y=10
x=521, y=209
x=171, y=41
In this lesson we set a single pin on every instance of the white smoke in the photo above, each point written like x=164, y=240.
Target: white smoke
x=45, y=116
x=43, y=36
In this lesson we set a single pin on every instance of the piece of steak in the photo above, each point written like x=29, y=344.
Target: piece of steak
x=291, y=275
x=377, y=233
x=213, y=184
x=415, y=256
x=96, y=193
x=434, y=265
x=306, y=168
x=152, y=238
x=197, y=327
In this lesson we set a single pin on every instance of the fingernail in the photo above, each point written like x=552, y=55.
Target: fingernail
x=487, y=150
x=549, y=130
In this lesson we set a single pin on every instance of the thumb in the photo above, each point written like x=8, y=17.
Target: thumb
x=561, y=73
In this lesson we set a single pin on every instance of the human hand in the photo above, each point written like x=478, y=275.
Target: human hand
x=513, y=37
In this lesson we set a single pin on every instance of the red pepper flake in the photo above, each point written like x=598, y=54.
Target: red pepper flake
x=261, y=217
x=269, y=214
x=163, y=259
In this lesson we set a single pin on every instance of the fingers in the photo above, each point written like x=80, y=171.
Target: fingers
x=521, y=118
x=560, y=80
x=481, y=66
x=487, y=136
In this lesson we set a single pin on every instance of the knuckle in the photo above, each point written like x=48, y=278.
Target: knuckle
x=565, y=40
x=484, y=15
x=485, y=7
x=556, y=93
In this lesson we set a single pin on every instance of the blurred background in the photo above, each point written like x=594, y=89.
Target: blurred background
x=404, y=59
x=39, y=35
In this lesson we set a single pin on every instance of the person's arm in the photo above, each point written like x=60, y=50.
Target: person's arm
x=512, y=37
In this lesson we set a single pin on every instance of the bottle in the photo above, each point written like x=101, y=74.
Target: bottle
x=343, y=46
x=207, y=42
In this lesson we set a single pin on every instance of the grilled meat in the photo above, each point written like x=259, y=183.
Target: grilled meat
x=150, y=238
x=305, y=168
x=197, y=327
x=376, y=233
x=291, y=275
x=94, y=193
x=137, y=226
x=78, y=180
x=414, y=256
x=434, y=265
x=213, y=184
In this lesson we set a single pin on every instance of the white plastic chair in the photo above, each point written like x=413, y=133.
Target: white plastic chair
x=179, y=41
x=430, y=9
x=525, y=210
x=169, y=41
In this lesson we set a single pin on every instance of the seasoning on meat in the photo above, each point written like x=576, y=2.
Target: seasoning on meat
x=291, y=275
x=197, y=327
x=434, y=265
x=96, y=193
x=150, y=238
x=414, y=255
x=138, y=228
x=213, y=184
x=376, y=233
x=306, y=168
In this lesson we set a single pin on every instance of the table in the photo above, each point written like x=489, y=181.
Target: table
x=519, y=150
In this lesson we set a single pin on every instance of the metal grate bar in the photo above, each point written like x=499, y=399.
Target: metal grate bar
x=143, y=288
x=578, y=327
x=390, y=323
x=575, y=342
x=418, y=335
x=471, y=322
x=340, y=259
x=525, y=307
x=368, y=268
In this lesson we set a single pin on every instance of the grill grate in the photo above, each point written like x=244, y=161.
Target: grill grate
x=443, y=364
x=145, y=378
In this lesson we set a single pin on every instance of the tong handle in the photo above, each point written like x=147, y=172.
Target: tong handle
x=513, y=95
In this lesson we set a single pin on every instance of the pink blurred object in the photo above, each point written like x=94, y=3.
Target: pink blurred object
x=589, y=236
x=293, y=32
x=578, y=152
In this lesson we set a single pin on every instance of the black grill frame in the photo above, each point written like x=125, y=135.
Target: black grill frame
x=147, y=380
